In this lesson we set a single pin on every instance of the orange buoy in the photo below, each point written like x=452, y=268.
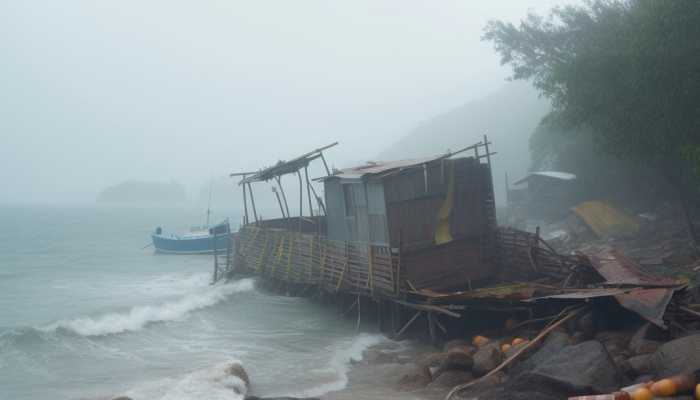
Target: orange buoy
x=479, y=340
x=697, y=392
x=518, y=341
x=642, y=394
x=505, y=347
x=664, y=388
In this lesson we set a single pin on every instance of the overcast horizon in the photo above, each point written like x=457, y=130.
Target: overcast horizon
x=97, y=93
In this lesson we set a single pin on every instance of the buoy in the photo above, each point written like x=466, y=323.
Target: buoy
x=518, y=341
x=642, y=394
x=663, y=388
x=505, y=347
x=697, y=392
x=673, y=385
x=479, y=340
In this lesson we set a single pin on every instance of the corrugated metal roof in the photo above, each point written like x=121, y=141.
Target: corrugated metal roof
x=379, y=167
x=564, y=176
x=617, y=269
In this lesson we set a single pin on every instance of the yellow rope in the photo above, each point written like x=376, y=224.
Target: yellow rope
x=263, y=253
x=289, y=255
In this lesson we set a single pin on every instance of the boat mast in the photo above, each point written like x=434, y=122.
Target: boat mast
x=211, y=183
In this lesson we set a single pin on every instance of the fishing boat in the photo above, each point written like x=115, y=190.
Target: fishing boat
x=197, y=241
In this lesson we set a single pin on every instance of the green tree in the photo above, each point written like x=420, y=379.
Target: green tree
x=626, y=72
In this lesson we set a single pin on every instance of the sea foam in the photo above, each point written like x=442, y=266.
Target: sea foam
x=139, y=316
x=210, y=384
x=340, y=363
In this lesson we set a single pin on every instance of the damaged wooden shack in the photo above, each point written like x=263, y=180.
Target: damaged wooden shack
x=418, y=238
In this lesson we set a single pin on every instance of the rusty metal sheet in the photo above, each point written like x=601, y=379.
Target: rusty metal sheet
x=650, y=304
x=617, y=269
x=518, y=291
x=583, y=294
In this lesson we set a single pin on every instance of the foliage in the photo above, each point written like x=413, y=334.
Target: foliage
x=626, y=71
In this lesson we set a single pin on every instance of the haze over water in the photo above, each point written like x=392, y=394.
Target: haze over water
x=86, y=314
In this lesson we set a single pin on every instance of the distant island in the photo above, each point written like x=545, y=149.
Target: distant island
x=138, y=192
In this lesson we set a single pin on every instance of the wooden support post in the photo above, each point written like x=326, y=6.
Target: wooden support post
x=252, y=202
x=308, y=190
x=408, y=324
x=245, y=205
x=325, y=164
x=301, y=201
x=279, y=201
x=284, y=196
x=321, y=206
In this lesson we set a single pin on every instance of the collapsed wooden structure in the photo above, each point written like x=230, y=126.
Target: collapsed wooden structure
x=410, y=234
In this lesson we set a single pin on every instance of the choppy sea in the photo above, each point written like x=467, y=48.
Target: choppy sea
x=86, y=313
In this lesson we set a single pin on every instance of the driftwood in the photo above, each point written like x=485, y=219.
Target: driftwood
x=510, y=359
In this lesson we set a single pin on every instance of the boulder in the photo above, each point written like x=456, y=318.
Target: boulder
x=450, y=379
x=236, y=369
x=432, y=362
x=552, y=345
x=379, y=356
x=418, y=378
x=639, y=365
x=459, y=358
x=676, y=356
x=578, y=369
x=494, y=380
x=486, y=358
x=579, y=337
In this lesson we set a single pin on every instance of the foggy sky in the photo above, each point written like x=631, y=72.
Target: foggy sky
x=93, y=93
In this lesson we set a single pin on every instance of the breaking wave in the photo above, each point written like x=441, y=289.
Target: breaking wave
x=340, y=363
x=211, y=384
x=138, y=317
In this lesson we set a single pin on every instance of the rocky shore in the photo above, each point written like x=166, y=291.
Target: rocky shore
x=574, y=359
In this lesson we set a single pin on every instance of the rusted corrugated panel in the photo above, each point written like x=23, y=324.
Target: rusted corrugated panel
x=617, y=269
x=516, y=291
x=649, y=303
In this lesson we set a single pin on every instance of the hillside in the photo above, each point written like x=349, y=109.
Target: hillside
x=508, y=116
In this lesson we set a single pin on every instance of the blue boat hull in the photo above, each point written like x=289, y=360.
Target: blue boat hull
x=198, y=245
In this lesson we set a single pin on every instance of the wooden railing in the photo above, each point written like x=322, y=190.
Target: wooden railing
x=299, y=258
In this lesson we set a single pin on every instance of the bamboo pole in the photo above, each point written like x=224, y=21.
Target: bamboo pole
x=510, y=359
x=308, y=190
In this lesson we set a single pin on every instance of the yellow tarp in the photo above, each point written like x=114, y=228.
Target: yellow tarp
x=606, y=220
x=442, y=233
